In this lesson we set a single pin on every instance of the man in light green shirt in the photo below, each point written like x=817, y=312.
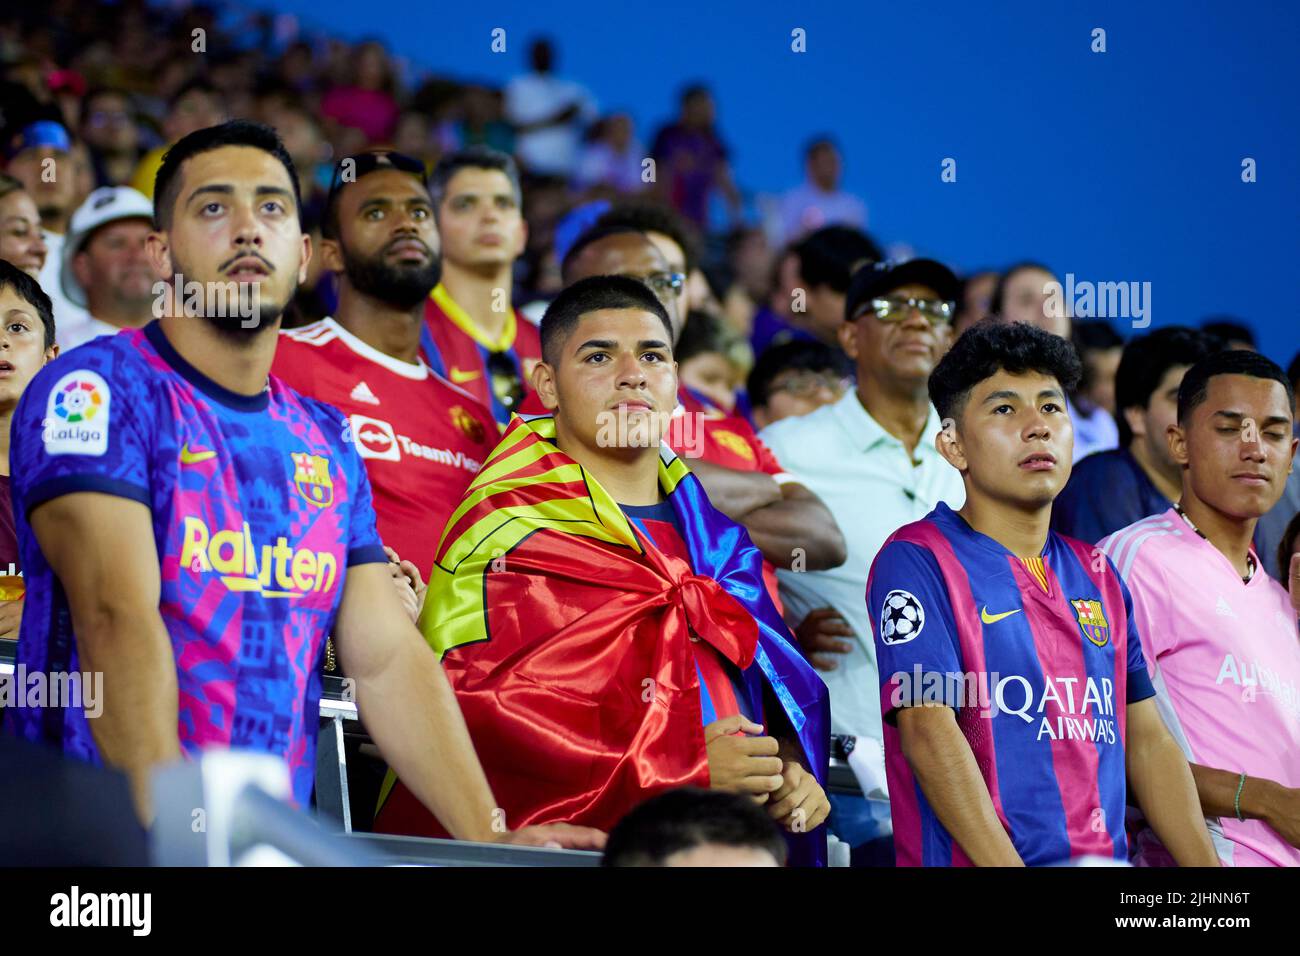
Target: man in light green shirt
x=871, y=458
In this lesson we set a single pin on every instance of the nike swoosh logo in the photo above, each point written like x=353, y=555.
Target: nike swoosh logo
x=988, y=618
x=460, y=377
x=194, y=457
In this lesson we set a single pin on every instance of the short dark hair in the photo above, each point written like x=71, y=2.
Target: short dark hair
x=472, y=157
x=999, y=290
x=692, y=90
x=830, y=255
x=1147, y=359
x=704, y=332
x=167, y=184
x=1090, y=334
x=363, y=164
x=30, y=290
x=1293, y=372
x=1196, y=383
x=796, y=355
x=196, y=85
x=989, y=347
x=593, y=235
x=654, y=217
x=687, y=818
x=819, y=142
x=1229, y=329
x=591, y=295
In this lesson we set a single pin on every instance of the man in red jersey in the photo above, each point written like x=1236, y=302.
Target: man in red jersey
x=422, y=438
x=473, y=334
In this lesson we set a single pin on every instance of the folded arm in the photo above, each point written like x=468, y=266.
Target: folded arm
x=784, y=519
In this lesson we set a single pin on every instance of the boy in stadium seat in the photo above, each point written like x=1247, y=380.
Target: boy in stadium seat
x=26, y=346
x=1219, y=634
x=1013, y=688
x=606, y=630
x=789, y=524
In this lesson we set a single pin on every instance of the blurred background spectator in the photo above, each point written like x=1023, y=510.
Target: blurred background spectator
x=819, y=201
x=548, y=115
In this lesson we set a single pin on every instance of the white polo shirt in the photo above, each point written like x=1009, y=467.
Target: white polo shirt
x=870, y=484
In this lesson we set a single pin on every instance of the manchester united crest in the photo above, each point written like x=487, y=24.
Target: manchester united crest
x=311, y=476
x=467, y=423
x=1092, y=621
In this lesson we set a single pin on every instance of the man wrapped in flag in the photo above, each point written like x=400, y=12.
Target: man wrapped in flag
x=607, y=631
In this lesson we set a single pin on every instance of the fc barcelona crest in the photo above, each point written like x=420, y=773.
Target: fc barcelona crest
x=311, y=476
x=1092, y=621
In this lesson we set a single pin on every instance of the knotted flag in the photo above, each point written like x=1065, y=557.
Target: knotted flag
x=566, y=634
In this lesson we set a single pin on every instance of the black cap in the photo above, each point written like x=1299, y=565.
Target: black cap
x=876, y=279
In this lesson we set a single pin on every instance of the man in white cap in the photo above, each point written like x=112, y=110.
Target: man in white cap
x=105, y=269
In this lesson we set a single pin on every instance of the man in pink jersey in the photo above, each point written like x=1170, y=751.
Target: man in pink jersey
x=1219, y=634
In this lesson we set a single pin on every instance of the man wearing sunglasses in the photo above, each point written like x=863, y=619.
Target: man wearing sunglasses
x=871, y=457
x=474, y=335
x=421, y=437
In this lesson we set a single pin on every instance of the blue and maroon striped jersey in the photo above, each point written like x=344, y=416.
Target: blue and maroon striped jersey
x=1037, y=656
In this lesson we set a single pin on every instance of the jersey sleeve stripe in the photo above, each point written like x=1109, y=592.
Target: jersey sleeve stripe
x=71, y=484
x=367, y=554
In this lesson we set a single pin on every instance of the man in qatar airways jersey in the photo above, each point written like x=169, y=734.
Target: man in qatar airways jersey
x=422, y=438
x=1014, y=694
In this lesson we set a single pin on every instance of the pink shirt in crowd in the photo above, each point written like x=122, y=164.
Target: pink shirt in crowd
x=1225, y=661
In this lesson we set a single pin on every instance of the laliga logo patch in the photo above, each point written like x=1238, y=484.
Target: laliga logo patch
x=76, y=415
x=901, y=618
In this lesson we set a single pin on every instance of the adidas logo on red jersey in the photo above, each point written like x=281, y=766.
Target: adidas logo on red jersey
x=362, y=393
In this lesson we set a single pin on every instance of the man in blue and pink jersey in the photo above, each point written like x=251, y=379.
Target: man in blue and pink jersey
x=1219, y=634
x=1013, y=689
x=192, y=529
